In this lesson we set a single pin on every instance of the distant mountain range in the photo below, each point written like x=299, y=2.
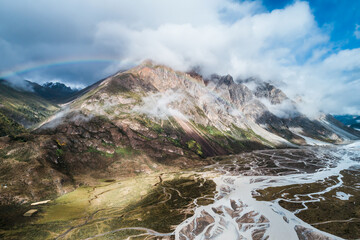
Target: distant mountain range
x=22, y=109
x=53, y=91
x=352, y=121
x=140, y=120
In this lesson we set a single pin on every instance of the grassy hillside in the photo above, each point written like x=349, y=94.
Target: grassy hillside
x=22, y=108
x=9, y=126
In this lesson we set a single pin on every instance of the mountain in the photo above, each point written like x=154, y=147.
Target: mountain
x=9, y=127
x=53, y=91
x=24, y=108
x=234, y=111
x=352, y=121
x=152, y=118
x=20, y=109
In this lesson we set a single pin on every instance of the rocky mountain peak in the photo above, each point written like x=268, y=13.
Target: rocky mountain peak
x=53, y=91
x=161, y=93
x=270, y=92
x=227, y=80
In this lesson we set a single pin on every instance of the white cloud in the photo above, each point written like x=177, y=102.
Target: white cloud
x=265, y=39
x=222, y=36
x=286, y=109
x=159, y=105
x=285, y=46
x=357, y=31
x=331, y=85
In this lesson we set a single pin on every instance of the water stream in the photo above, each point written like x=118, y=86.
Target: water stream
x=237, y=214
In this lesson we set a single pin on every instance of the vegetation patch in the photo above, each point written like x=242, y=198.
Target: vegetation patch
x=9, y=127
x=24, y=108
x=126, y=151
x=102, y=153
x=175, y=141
x=249, y=134
x=194, y=146
x=20, y=154
x=210, y=130
x=59, y=152
x=151, y=125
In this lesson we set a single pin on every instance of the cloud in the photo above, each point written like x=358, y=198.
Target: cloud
x=357, y=31
x=66, y=114
x=19, y=84
x=331, y=85
x=159, y=105
x=267, y=39
x=286, y=109
x=241, y=38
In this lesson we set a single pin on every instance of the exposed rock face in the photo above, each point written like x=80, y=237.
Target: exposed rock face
x=266, y=90
x=237, y=94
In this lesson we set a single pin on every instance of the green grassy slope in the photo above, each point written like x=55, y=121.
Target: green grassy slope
x=23, y=108
x=9, y=126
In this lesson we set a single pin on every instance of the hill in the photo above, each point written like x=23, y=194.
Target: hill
x=22, y=109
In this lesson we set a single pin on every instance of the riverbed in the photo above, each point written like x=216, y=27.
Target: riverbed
x=301, y=193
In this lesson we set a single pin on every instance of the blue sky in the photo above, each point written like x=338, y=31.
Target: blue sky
x=310, y=49
x=338, y=16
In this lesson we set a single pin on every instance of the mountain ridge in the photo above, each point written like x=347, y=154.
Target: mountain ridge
x=146, y=119
x=55, y=92
x=352, y=121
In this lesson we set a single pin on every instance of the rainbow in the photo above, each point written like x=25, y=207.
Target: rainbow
x=26, y=68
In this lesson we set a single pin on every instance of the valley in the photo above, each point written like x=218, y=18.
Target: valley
x=155, y=153
x=311, y=193
x=145, y=205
